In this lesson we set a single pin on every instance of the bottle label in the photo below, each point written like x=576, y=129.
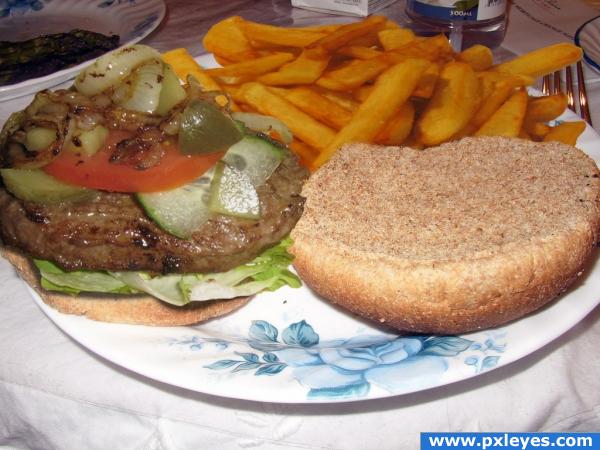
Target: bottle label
x=452, y=10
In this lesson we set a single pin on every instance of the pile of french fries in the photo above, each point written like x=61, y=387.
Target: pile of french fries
x=373, y=81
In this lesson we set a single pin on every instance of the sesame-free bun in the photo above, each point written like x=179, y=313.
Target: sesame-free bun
x=138, y=310
x=465, y=236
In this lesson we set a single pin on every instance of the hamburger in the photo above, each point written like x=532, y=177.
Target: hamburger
x=133, y=198
x=465, y=236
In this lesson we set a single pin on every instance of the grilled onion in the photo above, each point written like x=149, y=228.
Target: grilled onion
x=112, y=67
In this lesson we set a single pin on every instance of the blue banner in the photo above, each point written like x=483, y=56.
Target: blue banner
x=501, y=441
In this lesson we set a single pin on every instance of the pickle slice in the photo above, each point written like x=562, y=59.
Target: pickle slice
x=37, y=186
x=233, y=193
x=205, y=129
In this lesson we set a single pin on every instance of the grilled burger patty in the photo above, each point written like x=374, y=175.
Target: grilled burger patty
x=112, y=232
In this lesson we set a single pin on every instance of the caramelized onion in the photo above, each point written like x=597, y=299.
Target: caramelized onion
x=111, y=68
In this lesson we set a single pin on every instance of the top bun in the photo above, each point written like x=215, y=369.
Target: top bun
x=456, y=238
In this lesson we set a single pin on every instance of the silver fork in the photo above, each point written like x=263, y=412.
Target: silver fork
x=552, y=84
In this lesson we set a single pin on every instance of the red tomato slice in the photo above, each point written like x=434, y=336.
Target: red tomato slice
x=96, y=172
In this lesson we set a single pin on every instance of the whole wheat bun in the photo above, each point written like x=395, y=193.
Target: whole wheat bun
x=138, y=310
x=452, y=239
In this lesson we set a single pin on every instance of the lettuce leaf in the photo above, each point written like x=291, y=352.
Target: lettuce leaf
x=268, y=271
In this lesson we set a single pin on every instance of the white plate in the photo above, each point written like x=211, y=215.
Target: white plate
x=290, y=346
x=132, y=20
x=588, y=38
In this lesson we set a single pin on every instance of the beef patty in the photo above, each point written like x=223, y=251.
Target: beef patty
x=113, y=232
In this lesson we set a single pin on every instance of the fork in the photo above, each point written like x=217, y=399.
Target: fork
x=552, y=84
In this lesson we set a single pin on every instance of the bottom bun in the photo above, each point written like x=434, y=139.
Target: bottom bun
x=138, y=310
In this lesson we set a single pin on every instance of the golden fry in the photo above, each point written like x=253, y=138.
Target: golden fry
x=453, y=104
x=350, y=32
x=352, y=75
x=185, y=65
x=392, y=89
x=566, y=132
x=254, y=67
x=309, y=130
x=317, y=106
x=306, y=153
x=500, y=92
x=305, y=69
x=358, y=52
x=227, y=40
x=479, y=57
x=343, y=99
x=392, y=38
x=546, y=108
x=281, y=36
x=398, y=127
x=536, y=130
x=508, y=119
x=427, y=82
x=542, y=61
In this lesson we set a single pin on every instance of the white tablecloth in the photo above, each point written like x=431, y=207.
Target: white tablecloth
x=55, y=394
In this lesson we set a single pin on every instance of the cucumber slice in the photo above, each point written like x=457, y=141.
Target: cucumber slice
x=232, y=193
x=256, y=156
x=229, y=188
x=180, y=211
x=37, y=186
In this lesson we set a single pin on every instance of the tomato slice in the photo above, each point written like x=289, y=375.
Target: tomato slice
x=97, y=172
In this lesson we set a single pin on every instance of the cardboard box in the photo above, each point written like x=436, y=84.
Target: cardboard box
x=343, y=7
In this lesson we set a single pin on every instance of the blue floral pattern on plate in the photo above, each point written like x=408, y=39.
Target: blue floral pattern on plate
x=347, y=368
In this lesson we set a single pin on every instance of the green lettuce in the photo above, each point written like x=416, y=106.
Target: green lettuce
x=268, y=271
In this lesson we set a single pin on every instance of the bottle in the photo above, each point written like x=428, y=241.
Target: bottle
x=467, y=22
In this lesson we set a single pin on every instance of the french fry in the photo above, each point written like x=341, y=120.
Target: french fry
x=317, y=106
x=350, y=32
x=358, y=72
x=226, y=39
x=398, y=127
x=566, y=132
x=265, y=101
x=542, y=61
x=352, y=75
x=305, y=69
x=545, y=108
x=185, y=65
x=536, y=130
x=501, y=91
x=479, y=57
x=358, y=52
x=254, y=67
x=453, y=104
x=392, y=38
x=343, y=99
x=508, y=119
x=392, y=89
x=306, y=153
x=427, y=82
x=280, y=36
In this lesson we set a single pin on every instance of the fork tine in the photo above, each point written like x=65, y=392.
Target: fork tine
x=583, y=100
x=557, y=85
x=546, y=85
x=569, y=83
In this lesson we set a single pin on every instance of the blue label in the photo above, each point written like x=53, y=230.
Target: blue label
x=446, y=13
